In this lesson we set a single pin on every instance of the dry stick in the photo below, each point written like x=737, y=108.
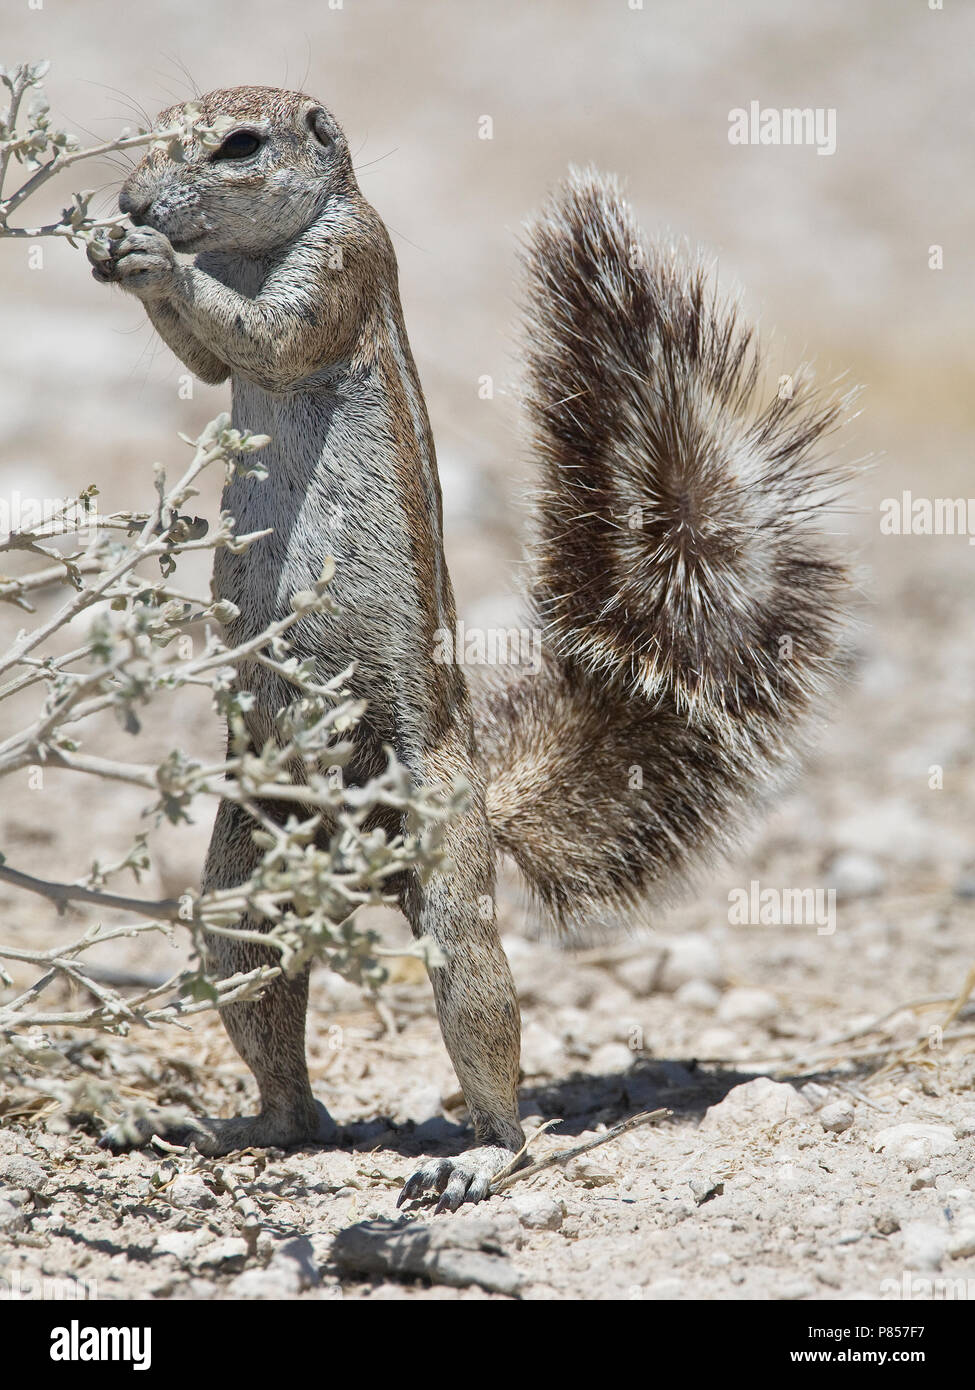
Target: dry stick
x=908, y=1052
x=64, y=893
x=961, y=1000
x=826, y=1051
x=861, y=1054
x=63, y=161
x=506, y=1178
x=515, y=1159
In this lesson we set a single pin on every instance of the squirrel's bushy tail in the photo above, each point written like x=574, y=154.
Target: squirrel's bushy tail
x=691, y=614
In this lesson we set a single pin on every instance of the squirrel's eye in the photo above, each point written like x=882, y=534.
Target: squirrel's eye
x=239, y=145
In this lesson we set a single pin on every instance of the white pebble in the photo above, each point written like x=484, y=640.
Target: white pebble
x=691, y=957
x=592, y=1170
x=836, y=1117
x=189, y=1190
x=538, y=1211
x=961, y=1246
x=907, y=1141
x=748, y=1006
x=924, y=1245
x=856, y=875
x=541, y=1051
x=756, y=1103
x=611, y=1058
x=698, y=994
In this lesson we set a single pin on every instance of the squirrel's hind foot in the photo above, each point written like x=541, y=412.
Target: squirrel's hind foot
x=466, y=1178
x=214, y=1137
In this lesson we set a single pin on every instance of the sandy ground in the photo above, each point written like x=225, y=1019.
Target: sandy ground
x=821, y=1133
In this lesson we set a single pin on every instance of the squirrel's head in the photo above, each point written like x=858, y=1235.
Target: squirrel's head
x=281, y=159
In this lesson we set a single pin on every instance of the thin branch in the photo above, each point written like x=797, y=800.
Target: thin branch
x=65, y=893
x=506, y=1178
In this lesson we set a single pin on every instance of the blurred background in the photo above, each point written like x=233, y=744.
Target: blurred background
x=834, y=252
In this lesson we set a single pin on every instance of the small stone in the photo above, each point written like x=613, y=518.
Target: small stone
x=202, y=1290
x=12, y=1217
x=297, y=1256
x=189, y=1190
x=592, y=1170
x=914, y=1141
x=417, y=1105
x=965, y=884
x=819, y=1217
x=922, y=1178
x=663, y=1290
x=705, y=1188
x=273, y=1282
x=856, y=875
x=886, y=1223
x=228, y=1254
x=343, y=996
x=289, y=1272
x=640, y=974
x=538, y=1211
x=574, y=1028
x=611, y=1058
x=541, y=1051
x=748, y=1006
x=924, y=1245
x=795, y=1289
x=902, y=1026
x=699, y=995
x=761, y=1102
x=875, y=827
x=181, y=1244
x=961, y=1245
x=914, y=1154
x=837, y=1117
x=716, y=1042
x=612, y=1004
x=460, y=1252
x=691, y=957
x=20, y=1171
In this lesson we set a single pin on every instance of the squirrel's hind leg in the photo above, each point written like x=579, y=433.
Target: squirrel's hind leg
x=476, y=1005
x=268, y=1033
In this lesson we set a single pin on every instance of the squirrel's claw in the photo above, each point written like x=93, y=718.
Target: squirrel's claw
x=466, y=1178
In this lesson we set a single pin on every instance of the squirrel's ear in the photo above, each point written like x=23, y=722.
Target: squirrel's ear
x=320, y=126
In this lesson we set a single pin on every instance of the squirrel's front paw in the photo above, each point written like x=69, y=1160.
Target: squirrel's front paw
x=142, y=262
x=466, y=1178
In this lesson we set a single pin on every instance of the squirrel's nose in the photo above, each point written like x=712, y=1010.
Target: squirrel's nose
x=133, y=205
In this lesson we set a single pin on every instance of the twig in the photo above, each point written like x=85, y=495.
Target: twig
x=64, y=893
x=648, y=1117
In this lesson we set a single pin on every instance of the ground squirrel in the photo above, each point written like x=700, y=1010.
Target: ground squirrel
x=691, y=615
